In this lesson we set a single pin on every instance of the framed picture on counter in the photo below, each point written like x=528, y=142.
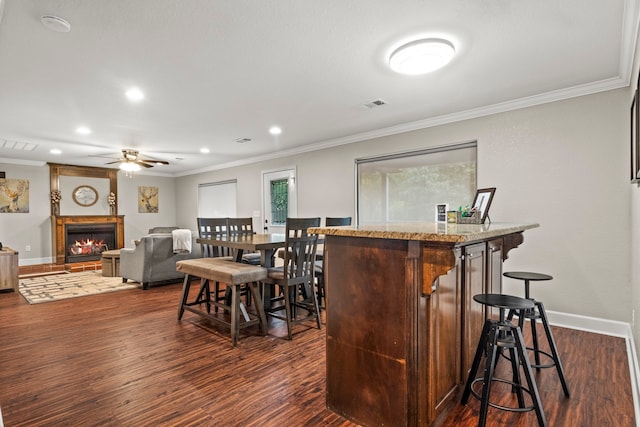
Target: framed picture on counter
x=482, y=202
x=441, y=212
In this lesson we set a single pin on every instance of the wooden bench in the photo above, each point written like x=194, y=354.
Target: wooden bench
x=234, y=275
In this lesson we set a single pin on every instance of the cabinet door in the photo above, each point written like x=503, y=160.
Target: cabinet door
x=445, y=337
x=8, y=269
x=494, y=271
x=475, y=274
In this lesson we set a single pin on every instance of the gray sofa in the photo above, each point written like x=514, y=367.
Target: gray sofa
x=152, y=261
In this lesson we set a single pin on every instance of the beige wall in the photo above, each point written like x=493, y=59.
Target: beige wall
x=563, y=165
x=634, y=191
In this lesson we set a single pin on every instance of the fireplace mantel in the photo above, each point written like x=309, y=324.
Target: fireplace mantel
x=58, y=231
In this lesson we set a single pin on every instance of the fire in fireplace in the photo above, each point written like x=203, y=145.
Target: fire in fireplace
x=85, y=242
x=87, y=247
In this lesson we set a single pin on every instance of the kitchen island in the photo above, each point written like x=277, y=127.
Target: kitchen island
x=401, y=323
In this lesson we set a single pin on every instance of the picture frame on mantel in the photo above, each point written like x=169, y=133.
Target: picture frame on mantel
x=482, y=202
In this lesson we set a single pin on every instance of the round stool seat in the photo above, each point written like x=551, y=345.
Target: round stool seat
x=525, y=275
x=505, y=302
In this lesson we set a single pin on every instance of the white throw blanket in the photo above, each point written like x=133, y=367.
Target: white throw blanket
x=181, y=241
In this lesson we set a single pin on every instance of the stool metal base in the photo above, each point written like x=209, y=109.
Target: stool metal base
x=496, y=337
x=538, y=312
x=533, y=315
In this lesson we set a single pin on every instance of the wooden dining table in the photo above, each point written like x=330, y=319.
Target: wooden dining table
x=266, y=244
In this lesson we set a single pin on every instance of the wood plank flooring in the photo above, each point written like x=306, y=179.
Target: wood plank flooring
x=122, y=359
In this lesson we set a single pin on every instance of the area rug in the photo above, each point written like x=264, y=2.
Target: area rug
x=69, y=285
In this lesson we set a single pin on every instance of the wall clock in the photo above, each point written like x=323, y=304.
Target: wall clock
x=85, y=195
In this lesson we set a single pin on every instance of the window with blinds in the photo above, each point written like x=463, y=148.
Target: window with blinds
x=406, y=187
x=217, y=199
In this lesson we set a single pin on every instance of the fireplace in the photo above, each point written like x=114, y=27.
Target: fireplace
x=94, y=234
x=86, y=242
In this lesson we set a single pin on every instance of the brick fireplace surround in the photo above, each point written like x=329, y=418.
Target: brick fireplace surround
x=58, y=223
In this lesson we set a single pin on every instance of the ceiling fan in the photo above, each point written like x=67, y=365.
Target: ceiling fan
x=131, y=158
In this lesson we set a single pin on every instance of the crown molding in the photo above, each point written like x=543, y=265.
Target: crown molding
x=529, y=101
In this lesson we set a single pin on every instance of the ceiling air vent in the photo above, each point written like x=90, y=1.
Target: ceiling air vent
x=17, y=145
x=375, y=103
x=242, y=140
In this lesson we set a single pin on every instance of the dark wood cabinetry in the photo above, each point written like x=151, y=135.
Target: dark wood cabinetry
x=402, y=326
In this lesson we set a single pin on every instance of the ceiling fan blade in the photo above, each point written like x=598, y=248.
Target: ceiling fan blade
x=142, y=163
x=115, y=161
x=106, y=156
x=154, y=161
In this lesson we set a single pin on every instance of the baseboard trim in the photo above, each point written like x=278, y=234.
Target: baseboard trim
x=34, y=261
x=606, y=327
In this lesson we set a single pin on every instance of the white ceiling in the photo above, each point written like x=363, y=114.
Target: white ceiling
x=214, y=71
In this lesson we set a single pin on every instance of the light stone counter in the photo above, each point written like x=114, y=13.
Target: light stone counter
x=427, y=231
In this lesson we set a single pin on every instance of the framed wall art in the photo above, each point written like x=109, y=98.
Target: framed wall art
x=634, y=140
x=147, y=199
x=14, y=195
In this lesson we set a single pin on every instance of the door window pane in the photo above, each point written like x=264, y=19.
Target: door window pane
x=279, y=201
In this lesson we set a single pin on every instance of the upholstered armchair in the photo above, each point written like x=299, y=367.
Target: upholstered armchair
x=152, y=260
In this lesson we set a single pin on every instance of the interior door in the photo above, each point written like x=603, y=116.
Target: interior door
x=279, y=199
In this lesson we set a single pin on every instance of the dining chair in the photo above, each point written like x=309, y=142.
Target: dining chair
x=208, y=228
x=329, y=222
x=295, y=277
x=244, y=226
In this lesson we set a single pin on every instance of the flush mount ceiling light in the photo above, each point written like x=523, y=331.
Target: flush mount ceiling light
x=422, y=56
x=83, y=130
x=55, y=23
x=134, y=94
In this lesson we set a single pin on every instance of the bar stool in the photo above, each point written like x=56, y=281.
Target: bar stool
x=498, y=336
x=538, y=312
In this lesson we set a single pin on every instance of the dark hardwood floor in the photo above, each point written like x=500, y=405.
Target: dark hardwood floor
x=122, y=359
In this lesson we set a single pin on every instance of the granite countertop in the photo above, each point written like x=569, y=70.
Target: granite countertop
x=427, y=231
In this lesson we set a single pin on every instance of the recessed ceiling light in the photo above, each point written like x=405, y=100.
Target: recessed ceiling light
x=134, y=94
x=204, y=150
x=55, y=23
x=275, y=130
x=55, y=151
x=83, y=130
x=422, y=56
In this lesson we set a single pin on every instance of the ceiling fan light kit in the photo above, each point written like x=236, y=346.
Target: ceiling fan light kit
x=130, y=167
x=131, y=162
x=422, y=56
